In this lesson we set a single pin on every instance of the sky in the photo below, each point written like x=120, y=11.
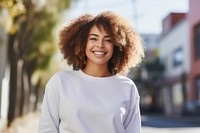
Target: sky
x=146, y=15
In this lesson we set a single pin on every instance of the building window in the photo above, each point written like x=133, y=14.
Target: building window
x=197, y=41
x=178, y=57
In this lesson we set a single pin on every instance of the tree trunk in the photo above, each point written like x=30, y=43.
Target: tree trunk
x=37, y=94
x=12, y=59
x=20, y=92
x=26, y=89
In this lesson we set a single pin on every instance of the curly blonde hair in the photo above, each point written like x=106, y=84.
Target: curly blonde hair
x=128, y=46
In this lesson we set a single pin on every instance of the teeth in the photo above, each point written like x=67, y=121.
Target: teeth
x=99, y=53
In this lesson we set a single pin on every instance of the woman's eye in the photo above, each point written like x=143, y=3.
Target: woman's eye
x=93, y=39
x=108, y=40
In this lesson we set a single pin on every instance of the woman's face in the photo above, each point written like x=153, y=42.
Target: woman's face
x=99, y=46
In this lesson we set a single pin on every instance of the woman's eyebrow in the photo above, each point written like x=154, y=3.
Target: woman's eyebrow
x=94, y=35
x=107, y=36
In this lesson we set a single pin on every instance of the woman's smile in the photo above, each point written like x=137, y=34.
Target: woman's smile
x=99, y=53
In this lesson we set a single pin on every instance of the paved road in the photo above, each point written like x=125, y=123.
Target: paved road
x=160, y=124
x=170, y=130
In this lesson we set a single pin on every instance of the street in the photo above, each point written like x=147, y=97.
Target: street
x=160, y=124
x=150, y=124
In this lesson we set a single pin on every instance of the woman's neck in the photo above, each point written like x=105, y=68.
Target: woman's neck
x=97, y=71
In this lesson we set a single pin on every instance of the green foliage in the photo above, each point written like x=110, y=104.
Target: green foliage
x=41, y=43
x=57, y=5
x=33, y=23
x=14, y=9
x=154, y=66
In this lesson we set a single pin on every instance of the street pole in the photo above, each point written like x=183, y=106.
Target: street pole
x=135, y=13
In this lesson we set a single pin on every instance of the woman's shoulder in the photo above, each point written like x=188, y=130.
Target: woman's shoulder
x=122, y=78
x=127, y=83
x=63, y=74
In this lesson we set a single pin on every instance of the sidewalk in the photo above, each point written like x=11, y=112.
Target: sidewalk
x=27, y=124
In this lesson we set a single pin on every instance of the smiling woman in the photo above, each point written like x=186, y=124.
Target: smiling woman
x=94, y=97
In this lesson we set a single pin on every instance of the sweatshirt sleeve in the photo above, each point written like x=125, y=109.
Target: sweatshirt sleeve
x=49, y=119
x=133, y=120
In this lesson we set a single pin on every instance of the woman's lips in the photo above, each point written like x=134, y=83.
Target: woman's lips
x=99, y=53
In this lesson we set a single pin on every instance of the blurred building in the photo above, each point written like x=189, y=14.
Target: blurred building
x=194, y=77
x=179, y=50
x=174, y=54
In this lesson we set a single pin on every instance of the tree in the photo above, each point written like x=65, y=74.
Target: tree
x=30, y=45
x=147, y=77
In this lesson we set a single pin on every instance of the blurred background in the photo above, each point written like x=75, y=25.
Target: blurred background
x=168, y=79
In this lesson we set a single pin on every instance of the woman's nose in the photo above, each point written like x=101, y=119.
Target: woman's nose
x=100, y=44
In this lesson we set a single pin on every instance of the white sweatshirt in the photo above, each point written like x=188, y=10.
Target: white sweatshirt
x=75, y=102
